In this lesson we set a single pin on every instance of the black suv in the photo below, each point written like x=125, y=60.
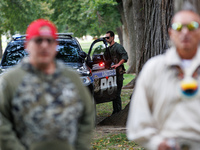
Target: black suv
x=94, y=67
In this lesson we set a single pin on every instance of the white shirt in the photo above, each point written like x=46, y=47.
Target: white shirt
x=158, y=109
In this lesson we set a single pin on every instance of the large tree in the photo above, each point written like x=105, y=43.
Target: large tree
x=146, y=26
x=146, y=23
x=86, y=17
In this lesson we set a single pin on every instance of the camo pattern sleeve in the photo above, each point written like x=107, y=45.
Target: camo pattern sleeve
x=8, y=136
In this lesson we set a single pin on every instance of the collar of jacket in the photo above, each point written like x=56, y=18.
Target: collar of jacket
x=25, y=63
x=173, y=59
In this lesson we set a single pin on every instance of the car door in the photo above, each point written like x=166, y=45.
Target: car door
x=103, y=76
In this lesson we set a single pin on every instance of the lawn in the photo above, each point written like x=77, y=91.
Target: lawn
x=108, y=140
x=115, y=141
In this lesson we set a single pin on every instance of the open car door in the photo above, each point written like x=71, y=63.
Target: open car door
x=103, y=76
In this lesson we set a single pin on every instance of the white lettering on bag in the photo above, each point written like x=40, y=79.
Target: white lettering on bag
x=108, y=84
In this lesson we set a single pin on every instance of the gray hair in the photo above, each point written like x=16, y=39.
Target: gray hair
x=184, y=5
x=188, y=6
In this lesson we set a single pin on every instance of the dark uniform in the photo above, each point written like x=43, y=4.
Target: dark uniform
x=118, y=53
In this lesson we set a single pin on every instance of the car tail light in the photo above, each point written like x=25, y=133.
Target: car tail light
x=101, y=64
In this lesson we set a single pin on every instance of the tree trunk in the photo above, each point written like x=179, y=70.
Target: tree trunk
x=158, y=16
x=125, y=34
x=128, y=36
x=1, y=50
x=120, y=35
x=139, y=28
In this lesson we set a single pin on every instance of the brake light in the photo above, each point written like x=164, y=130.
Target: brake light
x=101, y=64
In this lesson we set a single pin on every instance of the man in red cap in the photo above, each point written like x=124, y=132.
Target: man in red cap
x=43, y=105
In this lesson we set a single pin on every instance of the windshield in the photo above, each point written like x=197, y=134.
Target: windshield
x=68, y=51
x=13, y=54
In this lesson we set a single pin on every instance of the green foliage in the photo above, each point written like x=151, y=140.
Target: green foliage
x=16, y=15
x=99, y=49
x=81, y=17
x=84, y=17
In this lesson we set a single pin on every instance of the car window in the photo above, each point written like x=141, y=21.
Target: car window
x=13, y=54
x=68, y=51
x=98, y=48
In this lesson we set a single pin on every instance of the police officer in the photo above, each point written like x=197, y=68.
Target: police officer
x=118, y=56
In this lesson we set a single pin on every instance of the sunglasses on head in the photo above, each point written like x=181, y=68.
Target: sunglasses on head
x=191, y=26
x=39, y=40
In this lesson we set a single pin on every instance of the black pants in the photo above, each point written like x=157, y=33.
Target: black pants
x=117, y=103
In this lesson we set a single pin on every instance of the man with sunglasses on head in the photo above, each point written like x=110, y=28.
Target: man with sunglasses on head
x=43, y=104
x=118, y=56
x=165, y=106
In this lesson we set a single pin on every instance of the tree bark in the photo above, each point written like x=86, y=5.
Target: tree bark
x=125, y=33
x=158, y=16
x=1, y=49
x=139, y=28
x=119, y=32
x=128, y=36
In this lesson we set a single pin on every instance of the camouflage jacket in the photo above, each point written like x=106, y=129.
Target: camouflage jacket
x=39, y=111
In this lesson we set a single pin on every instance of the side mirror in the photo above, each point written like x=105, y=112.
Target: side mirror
x=82, y=55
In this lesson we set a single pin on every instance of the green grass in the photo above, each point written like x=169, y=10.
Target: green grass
x=115, y=141
x=105, y=109
x=85, y=45
x=127, y=77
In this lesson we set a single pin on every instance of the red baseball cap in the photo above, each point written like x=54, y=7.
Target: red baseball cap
x=34, y=29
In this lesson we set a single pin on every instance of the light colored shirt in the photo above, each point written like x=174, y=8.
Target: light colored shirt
x=159, y=110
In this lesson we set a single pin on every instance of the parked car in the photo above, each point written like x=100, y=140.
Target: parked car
x=94, y=68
